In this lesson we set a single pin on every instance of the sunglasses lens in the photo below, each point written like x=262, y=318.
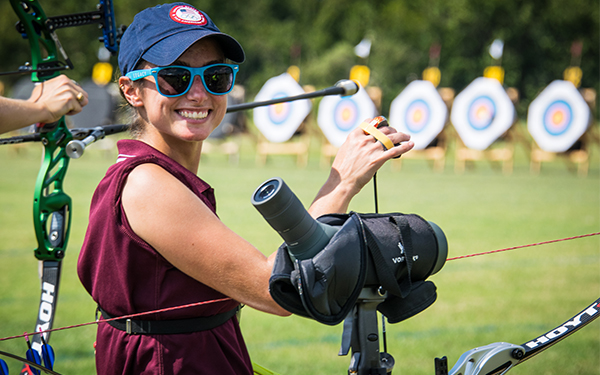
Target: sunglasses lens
x=218, y=79
x=173, y=81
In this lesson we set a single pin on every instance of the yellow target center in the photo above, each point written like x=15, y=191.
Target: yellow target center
x=482, y=113
x=279, y=108
x=346, y=114
x=557, y=117
x=417, y=115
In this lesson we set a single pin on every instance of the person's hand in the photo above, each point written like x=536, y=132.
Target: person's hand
x=57, y=97
x=362, y=155
x=355, y=164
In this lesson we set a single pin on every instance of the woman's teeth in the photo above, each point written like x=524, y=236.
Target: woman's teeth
x=194, y=115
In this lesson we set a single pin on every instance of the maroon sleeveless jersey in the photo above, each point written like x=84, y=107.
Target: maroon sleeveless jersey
x=125, y=275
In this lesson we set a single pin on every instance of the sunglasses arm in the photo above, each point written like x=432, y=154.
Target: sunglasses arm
x=139, y=74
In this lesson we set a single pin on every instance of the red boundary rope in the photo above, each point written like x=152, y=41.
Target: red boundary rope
x=522, y=246
x=119, y=317
x=227, y=299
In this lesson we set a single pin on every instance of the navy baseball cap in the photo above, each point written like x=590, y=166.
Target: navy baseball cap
x=161, y=34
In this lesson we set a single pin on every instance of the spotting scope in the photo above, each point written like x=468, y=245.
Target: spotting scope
x=305, y=237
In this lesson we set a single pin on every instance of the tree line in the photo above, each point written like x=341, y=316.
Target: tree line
x=319, y=36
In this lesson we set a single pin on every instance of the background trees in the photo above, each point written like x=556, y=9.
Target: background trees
x=319, y=36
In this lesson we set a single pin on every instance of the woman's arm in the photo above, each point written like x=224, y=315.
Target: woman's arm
x=174, y=221
x=353, y=167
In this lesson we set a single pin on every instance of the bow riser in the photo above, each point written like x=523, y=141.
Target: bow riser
x=51, y=205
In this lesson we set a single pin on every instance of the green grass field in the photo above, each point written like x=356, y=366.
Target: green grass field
x=512, y=296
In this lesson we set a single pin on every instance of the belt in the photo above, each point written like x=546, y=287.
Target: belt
x=168, y=327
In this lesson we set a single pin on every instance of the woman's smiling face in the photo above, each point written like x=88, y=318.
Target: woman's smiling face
x=189, y=117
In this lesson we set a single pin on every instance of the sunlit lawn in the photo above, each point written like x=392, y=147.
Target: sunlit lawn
x=512, y=296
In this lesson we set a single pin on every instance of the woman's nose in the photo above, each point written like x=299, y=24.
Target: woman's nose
x=197, y=90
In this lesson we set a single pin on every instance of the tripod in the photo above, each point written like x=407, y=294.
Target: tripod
x=362, y=334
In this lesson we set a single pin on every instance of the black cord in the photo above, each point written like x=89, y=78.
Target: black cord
x=384, y=334
x=375, y=192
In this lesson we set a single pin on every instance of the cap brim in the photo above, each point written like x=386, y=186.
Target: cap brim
x=167, y=50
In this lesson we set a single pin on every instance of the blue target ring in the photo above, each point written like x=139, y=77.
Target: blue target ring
x=279, y=113
x=345, y=114
x=417, y=116
x=558, y=117
x=481, y=113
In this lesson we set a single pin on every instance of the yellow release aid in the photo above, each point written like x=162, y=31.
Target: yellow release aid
x=371, y=128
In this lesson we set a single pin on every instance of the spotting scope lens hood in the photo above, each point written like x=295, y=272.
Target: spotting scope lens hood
x=442, y=243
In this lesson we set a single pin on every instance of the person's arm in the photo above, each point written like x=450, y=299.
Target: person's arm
x=49, y=101
x=166, y=214
x=353, y=167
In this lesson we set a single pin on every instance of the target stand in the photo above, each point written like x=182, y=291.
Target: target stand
x=298, y=146
x=578, y=159
x=433, y=149
x=501, y=152
x=559, y=122
x=228, y=148
x=484, y=117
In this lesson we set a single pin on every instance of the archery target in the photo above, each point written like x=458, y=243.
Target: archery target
x=419, y=111
x=279, y=122
x=482, y=112
x=558, y=117
x=339, y=115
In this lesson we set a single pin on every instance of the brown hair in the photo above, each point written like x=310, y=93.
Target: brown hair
x=136, y=123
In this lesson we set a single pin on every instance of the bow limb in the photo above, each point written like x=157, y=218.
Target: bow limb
x=43, y=43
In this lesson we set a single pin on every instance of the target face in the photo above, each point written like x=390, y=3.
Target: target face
x=417, y=116
x=279, y=122
x=338, y=115
x=345, y=114
x=558, y=117
x=419, y=111
x=482, y=112
x=280, y=112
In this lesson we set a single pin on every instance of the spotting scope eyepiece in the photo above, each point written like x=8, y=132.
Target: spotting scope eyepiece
x=303, y=235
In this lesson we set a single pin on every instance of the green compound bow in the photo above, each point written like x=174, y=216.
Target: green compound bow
x=51, y=205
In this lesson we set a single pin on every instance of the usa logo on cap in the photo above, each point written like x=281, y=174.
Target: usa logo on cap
x=187, y=15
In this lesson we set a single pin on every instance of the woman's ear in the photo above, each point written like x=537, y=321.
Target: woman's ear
x=130, y=92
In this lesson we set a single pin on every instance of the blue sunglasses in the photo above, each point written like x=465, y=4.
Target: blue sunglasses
x=171, y=81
